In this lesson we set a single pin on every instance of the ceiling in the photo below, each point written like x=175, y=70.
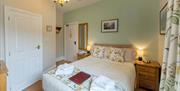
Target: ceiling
x=75, y=4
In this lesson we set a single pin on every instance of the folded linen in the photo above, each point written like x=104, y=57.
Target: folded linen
x=103, y=83
x=65, y=69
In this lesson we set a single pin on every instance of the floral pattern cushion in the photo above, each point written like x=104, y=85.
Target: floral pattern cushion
x=117, y=55
x=114, y=54
x=98, y=51
x=107, y=52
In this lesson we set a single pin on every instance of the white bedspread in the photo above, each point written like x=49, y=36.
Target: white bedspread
x=124, y=73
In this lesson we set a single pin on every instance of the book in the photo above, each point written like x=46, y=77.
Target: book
x=80, y=77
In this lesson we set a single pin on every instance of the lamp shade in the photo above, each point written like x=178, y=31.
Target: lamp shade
x=140, y=52
x=88, y=48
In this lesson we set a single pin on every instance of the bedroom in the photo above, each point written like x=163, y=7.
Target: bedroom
x=121, y=24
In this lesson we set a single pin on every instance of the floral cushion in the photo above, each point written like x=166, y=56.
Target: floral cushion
x=98, y=51
x=114, y=54
x=107, y=52
x=117, y=55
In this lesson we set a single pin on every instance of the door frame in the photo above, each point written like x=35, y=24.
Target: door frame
x=7, y=9
x=75, y=23
x=2, y=32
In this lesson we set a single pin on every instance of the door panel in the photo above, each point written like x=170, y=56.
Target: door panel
x=74, y=41
x=71, y=42
x=24, y=59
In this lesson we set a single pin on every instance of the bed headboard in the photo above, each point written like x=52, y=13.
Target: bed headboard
x=116, y=45
x=130, y=54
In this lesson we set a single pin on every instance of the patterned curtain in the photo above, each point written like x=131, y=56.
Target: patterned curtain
x=170, y=76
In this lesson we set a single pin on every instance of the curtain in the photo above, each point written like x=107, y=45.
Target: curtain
x=170, y=76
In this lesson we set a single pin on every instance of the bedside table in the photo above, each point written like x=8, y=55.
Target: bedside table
x=81, y=56
x=147, y=75
x=62, y=62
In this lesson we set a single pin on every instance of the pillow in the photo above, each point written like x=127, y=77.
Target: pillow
x=117, y=55
x=130, y=55
x=107, y=52
x=98, y=51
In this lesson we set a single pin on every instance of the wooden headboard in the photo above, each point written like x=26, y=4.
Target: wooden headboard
x=116, y=45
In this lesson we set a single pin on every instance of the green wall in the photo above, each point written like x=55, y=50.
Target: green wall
x=138, y=23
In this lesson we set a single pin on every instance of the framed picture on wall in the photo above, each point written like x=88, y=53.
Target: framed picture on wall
x=163, y=19
x=109, y=26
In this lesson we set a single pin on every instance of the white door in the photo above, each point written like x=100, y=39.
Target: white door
x=71, y=41
x=23, y=31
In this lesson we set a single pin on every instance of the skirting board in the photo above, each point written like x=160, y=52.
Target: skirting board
x=60, y=58
x=52, y=67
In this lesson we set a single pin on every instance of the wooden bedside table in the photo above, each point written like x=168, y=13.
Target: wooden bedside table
x=62, y=62
x=81, y=56
x=147, y=75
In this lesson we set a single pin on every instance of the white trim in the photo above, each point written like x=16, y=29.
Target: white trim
x=71, y=23
x=2, y=42
x=60, y=58
x=22, y=11
x=52, y=67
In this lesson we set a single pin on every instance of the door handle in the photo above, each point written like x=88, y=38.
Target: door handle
x=38, y=47
x=74, y=42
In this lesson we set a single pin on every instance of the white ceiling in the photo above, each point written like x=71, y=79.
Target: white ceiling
x=75, y=4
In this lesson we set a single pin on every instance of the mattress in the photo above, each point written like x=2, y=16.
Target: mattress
x=123, y=73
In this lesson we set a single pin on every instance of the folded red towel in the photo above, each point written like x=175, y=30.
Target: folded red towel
x=80, y=77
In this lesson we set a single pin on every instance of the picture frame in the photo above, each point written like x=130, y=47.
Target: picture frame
x=163, y=19
x=108, y=26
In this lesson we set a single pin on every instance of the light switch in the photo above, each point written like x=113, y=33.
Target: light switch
x=49, y=28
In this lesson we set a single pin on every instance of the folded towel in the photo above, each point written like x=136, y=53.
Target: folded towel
x=65, y=66
x=103, y=83
x=65, y=69
x=82, y=52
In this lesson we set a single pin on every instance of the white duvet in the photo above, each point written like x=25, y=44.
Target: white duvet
x=124, y=73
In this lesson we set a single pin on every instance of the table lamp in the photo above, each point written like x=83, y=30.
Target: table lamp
x=88, y=49
x=140, y=54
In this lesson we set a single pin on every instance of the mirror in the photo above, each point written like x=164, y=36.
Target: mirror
x=83, y=36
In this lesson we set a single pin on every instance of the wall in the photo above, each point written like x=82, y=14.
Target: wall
x=49, y=39
x=48, y=11
x=138, y=23
x=59, y=36
x=161, y=37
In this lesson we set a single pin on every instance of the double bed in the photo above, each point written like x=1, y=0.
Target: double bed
x=121, y=72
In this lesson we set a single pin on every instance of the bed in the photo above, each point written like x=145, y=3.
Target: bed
x=122, y=72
